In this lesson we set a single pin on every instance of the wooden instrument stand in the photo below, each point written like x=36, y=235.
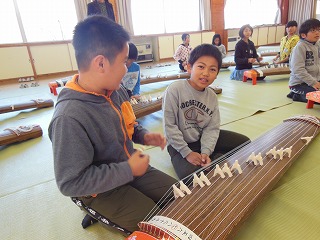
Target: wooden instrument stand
x=36, y=103
x=19, y=134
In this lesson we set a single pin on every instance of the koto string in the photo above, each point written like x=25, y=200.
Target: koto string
x=178, y=207
x=246, y=205
x=242, y=196
x=181, y=204
x=214, y=195
x=192, y=201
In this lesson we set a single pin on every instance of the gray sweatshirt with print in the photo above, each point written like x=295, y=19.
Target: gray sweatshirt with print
x=305, y=63
x=189, y=116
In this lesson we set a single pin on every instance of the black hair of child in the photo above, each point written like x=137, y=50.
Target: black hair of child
x=242, y=29
x=98, y=35
x=133, y=52
x=217, y=35
x=205, y=50
x=184, y=36
x=309, y=25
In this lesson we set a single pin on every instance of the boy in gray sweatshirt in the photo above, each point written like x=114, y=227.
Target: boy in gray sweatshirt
x=192, y=118
x=305, y=62
x=93, y=129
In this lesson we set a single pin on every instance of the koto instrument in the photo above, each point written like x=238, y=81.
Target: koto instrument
x=36, y=103
x=160, y=78
x=214, y=202
x=144, y=108
x=19, y=134
x=272, y=69
x=57, y=83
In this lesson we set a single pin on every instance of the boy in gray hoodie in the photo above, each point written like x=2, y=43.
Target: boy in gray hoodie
x=305, y=62
x=93, y=129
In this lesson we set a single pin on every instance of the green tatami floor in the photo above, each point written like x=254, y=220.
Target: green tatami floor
x=32, y=208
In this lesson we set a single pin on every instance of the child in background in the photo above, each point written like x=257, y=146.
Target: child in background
x=305, y=62
x=183, y=51
x=192, y=118
x=216, y=41
x=287, y=43
x=245, y=53
x=131, y=81
x=93, y=129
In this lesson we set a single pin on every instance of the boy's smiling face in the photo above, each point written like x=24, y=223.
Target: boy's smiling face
x=203, y=72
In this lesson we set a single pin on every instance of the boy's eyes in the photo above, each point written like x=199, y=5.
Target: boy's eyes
x=211, y=69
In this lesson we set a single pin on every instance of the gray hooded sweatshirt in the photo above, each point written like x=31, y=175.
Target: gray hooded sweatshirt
x=90, y=135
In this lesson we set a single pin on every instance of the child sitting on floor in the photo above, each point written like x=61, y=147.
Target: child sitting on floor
x=93, y=129
x=192, y=118
x=305, y=62
x=245, y=53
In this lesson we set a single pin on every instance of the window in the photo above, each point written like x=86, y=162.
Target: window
x=165, y=16
x=10, y=31
x=41, y=20
x=254, y=12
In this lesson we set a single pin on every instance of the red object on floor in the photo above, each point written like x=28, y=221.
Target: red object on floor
x=250, y=74
x=312, y=98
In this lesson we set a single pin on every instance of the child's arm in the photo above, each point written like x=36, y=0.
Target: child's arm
x=177, y=54
x=211, y=132
x=170, y=117
x=223, y=51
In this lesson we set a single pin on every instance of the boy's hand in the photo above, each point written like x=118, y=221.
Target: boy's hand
x=138, y=163
x=205, y=160
x=195, y=158
x=316, y=86
x=155, y=139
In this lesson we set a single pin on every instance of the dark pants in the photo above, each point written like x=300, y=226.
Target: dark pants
x=129, y=204
x=301, y=91
x=227, y=141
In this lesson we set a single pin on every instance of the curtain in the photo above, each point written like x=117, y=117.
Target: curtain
x=205, y=14
x=81, y=8
x=124, y=13
x=296, y=13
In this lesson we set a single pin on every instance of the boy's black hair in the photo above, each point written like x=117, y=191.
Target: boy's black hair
x=133, y=52
x=184, y=36
x=217, y=35
x=98, y=35
x=308, y=25
x=242, y=29
x=205, y=50
x=292, y=24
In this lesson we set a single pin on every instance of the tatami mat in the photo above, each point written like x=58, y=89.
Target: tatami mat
x=33, y=208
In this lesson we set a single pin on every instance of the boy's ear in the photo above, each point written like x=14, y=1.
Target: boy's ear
x=303, y=35
x=99, y=63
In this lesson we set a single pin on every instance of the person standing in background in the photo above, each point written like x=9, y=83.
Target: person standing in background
x=183, y=51
x=216, y=41
x=287, y=43
x=102, y=7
